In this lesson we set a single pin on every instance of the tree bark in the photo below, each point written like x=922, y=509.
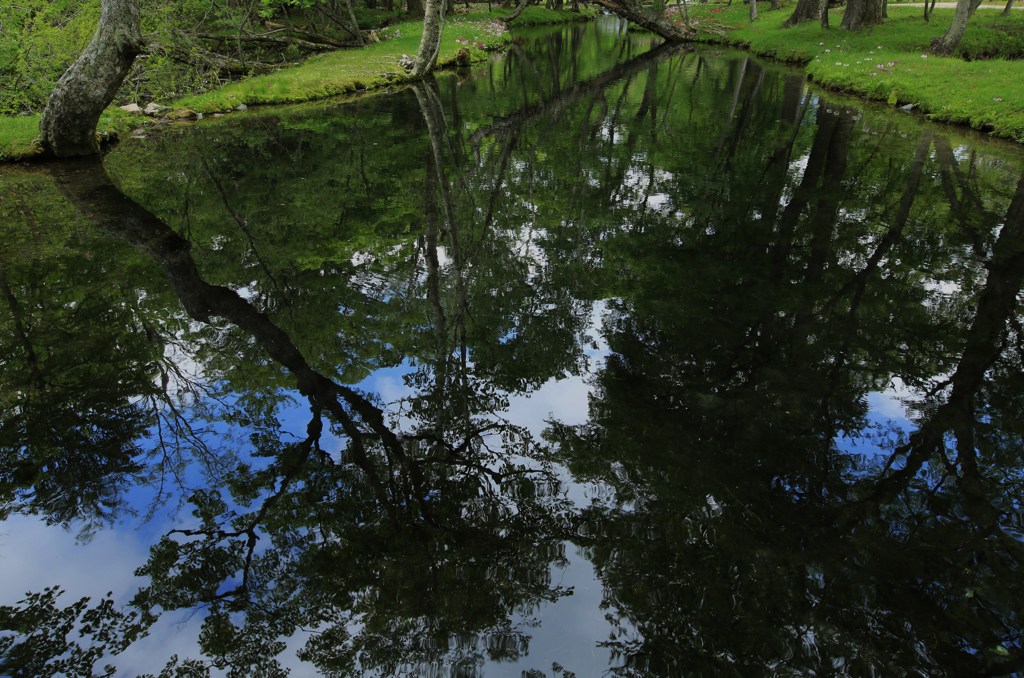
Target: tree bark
x=430, y=43
x=805, y=10
x=1009, y=6
x=824, y=14
x=414, y=7
x=519, y=10
x=355, y=22
x=951, y=38
x=753, y=9
x=68, y=126
x=861, y=13
x=648, y=19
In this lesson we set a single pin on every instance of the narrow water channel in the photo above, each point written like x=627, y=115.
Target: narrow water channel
x=599, y=359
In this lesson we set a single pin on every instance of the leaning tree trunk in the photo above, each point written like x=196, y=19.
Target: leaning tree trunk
x=861, y=13
x=519, y=10
x=1009, y=6
x=68, y=127
x=949, y=41
x=805, y=10
x=649, y=19
x=430, y=43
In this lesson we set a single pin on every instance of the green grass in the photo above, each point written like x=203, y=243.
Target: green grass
x=890, y=62
x=18, y=137
x=371, y=67
x=321, y=76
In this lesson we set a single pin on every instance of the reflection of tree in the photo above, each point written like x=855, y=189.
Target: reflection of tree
x=382, y=538
x=764, y=272
x=68, y=427
x=741, y=535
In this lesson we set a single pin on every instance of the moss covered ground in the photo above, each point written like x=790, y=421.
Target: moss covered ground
x=980, y=86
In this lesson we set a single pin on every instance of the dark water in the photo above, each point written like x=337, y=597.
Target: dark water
x=600, y=360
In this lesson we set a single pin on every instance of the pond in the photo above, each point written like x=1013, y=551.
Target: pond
x=602, y=358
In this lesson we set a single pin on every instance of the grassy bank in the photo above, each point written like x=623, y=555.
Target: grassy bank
x=468, y=37
x=980, y=87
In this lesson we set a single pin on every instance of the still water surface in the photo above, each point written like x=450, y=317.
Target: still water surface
x=601, y=359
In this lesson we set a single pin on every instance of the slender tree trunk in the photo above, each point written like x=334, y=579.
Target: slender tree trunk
x=1009, y=6
x=949, y=41
x=753, y=9
x=805, y=10
x=430, y=43
x=355, y=22
x=414, y=7
x=68, y=127
x=824, y=14
x=861, y=13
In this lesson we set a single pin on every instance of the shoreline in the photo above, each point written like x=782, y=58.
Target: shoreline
x=469, y=37
x=885, y=65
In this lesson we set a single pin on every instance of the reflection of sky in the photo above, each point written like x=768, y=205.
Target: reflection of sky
x=566, y=631
x=886, y=425
x=37, y=556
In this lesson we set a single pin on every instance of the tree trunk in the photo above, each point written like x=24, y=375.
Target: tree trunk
x=861, y=13
x=949, y=41
x=68, y=127
x=805, y=10
x=355, y=22
x=648, y=19
x=824, y=13
x=415, y=8
x=430, y=43
x=753, y=9
x=1009, y=6
x=519, y=10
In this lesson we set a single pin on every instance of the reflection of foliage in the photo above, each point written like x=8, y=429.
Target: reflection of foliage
x=51, y=640
x=762, y=272
x=69, y=426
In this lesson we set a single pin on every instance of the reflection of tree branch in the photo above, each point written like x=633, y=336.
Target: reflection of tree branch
x=239, y=221
x=859, y=282
x=87, y=186
x=21, y=332
x=997, y=303
x=555, y=105
x=313, y=431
